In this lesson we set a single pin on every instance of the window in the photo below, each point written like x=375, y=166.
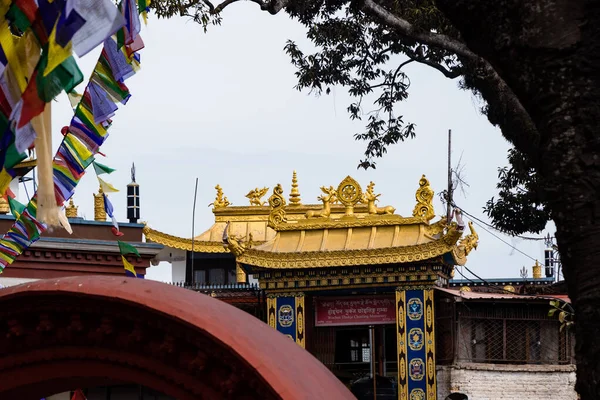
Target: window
x=352, y=346
x=216, y=276
x=518, y=335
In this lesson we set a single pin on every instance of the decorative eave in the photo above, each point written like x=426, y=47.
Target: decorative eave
x=182, y=243
x=346, y=258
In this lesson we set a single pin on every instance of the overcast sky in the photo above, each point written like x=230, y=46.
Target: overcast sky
x=222, y=107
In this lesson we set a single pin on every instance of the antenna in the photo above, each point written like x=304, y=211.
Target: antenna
x=133, y=172
x=193, y=226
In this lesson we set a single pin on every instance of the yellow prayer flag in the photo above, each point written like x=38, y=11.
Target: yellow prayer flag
x=82, y=151
x=107, y=187
x=74, y=98
x=90, y=117
x=128, y=266
x=56, y=53
x=5, y=180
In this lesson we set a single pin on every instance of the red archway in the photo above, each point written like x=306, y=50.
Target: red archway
x=59, y=334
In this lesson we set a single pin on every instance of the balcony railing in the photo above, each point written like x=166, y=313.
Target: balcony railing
x=204, y=287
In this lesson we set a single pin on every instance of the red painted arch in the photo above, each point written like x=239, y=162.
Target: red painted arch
x=59, y=334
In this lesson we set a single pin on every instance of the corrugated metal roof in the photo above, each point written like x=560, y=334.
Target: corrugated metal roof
x=472, y=295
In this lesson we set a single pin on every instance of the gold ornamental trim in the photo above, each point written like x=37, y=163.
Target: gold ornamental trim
x=341, y=258
x=181, y=243
x=347, y=222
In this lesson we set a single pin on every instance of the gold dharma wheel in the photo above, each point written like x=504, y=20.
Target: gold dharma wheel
x=349, y=193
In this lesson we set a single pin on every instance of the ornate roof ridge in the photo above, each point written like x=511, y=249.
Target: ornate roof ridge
x=180, y=243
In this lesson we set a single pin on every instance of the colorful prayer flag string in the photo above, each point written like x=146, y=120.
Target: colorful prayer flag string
x=88, y=128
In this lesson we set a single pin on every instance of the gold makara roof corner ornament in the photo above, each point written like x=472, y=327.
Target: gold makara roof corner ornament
x=369, y=198
x=277, y=203
x=294, y=193
x=349, y=193
x=328, y=197
x=236, y=246
x=255, y=196
x=465, y=245
x=424, y=196
x=220, y=201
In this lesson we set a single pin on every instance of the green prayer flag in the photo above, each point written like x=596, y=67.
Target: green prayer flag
x=102, y=169
x=18, y=18
x=126, y=248
x=64, y=77
x=16, y=208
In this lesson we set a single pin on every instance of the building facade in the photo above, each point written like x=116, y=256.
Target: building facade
x=371, y=293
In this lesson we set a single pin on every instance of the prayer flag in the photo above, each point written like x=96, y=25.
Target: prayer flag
x=103, y=19
x=107, y=187
x=102, y=169
x=128, y=267
x=125, y=249
x=108, y=207
x=16, y=208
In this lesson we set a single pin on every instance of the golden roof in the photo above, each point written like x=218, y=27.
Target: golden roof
x=348, y=229
x=326, y=237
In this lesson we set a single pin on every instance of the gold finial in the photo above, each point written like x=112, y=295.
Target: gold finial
x=99, y=211
x=277, y=203
x=370, y=198
x=424, y=196
x=4, y=206
x=349, y=193
x=255, y=196
x=537, y=270
x=294, y=193
x=71, y=209
x=220, y=201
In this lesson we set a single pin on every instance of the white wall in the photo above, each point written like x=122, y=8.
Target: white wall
x=178, y=271
x=507, y=382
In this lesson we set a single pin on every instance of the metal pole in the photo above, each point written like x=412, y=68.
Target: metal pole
x=449, y=199
x=193, y=226
x=373, y=371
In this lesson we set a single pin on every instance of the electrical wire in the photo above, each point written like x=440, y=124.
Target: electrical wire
x=496, y=229
x=498, y=237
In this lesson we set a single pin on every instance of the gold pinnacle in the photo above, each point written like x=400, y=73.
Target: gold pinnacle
x=294, y=193
x=71, y=209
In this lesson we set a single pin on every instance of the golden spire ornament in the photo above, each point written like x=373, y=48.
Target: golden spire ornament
x=99, y=211
x=294, y=193
x=71, y=209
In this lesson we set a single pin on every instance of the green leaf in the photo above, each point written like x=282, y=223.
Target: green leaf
x=561, y=317
x=551, y=312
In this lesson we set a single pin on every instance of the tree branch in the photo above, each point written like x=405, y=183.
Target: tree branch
x=224, y=4
x=272, y=7
x=447, y=73
x=406, y=28
x=527, y=136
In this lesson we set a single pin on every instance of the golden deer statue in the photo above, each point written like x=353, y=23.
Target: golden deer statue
x=327, y=198
x=370, y=198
